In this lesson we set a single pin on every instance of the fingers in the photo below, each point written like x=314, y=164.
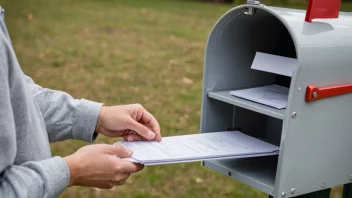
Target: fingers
x=131, y=138
x=128, y=167
x=119, y=150
x=121, y=178
x=141, y=129
x=149, y=119
x=119, y=183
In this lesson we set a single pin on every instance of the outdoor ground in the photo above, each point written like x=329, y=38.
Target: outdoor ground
x=127, y=51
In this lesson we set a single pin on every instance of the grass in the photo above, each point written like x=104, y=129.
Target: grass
x=120, y=52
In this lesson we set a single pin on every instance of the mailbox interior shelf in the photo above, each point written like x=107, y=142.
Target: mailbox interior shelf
x=257, y=172
x=224, y=96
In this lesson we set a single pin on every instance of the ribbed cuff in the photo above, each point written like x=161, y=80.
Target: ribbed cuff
x=86, y=117
x=56, y=175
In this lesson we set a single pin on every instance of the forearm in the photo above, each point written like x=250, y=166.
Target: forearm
x=64, y=116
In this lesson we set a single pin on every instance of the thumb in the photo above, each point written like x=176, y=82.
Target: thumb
x=141, y=129
x=119, y=150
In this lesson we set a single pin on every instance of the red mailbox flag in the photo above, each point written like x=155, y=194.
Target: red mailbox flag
x=322, y=9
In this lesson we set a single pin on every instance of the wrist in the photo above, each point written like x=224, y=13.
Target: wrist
x=100, y=119
x=74, y=167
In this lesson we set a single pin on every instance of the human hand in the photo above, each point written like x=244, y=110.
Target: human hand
x=99, y=166
x=132, y=122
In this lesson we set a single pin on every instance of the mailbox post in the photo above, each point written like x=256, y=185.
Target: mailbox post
x=314, y=131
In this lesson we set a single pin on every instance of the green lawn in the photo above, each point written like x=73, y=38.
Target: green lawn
x=127, y=51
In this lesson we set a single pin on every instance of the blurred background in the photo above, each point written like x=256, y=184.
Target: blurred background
x=130, y=51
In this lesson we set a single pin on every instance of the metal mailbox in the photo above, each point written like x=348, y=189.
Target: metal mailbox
x=314, y=131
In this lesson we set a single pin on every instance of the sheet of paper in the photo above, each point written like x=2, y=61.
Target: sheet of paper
x=197, y=147
x=272, y=95
x=274, y=64
x=202, y=159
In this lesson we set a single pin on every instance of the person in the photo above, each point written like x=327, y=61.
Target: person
x=32, y=116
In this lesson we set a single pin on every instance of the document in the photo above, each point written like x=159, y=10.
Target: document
x=274, y=64
x=198, y=147
x=271, y=95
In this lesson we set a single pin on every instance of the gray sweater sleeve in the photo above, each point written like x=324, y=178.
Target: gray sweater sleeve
x=47, y=178
x=64, y=116
x=42, y=178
